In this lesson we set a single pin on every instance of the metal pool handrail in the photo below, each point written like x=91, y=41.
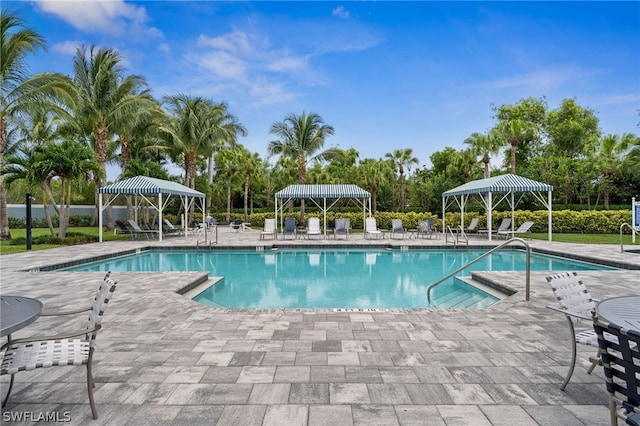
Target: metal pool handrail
x=621, y=227
x=512, y=240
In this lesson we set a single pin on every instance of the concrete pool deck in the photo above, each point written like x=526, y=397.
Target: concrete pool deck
x=164, y=359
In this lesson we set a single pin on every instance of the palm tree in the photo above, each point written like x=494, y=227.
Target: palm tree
x=402, y=158
x=301, y=137
x=484, y=146
x=18, y=90
x=106, y=100
x=229, y=161
x=515, y=131
x=608, y=155
x=249, y=162
x=373, y=174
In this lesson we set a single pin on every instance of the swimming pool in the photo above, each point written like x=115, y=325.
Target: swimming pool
x=333, y=278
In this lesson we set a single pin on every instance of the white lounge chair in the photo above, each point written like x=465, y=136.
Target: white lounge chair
x=371, y=228
x=522, y=229
x=269, y=229
x=313, y=227
x=503, y=226
x=425, y=228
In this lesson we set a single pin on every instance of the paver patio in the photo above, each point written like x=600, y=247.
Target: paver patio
x=164, y=359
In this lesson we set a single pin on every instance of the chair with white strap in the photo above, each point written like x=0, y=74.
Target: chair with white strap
x=67, y=348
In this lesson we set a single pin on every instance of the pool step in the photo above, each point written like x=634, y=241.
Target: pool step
x=461, y=298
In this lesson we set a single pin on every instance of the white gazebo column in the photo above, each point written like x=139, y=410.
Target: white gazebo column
x=160, y=208
x=489, y=214
x=550, y=232
x=99, y=217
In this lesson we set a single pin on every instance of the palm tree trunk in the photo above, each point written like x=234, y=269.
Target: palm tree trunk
x=514, y=143
x=5, y=232
x=209, y=181
x=246, y=197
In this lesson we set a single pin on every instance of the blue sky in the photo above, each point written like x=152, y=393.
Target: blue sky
x=385, y=75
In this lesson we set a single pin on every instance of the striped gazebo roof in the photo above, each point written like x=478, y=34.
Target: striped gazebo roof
x=323, y=191
x=502, y=184
x=149, y=186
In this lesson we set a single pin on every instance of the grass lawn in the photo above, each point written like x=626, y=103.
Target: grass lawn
x=7, y=248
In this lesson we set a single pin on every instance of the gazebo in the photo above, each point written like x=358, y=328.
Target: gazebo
x=492, y=191
x=151, y=189
x=317, y=193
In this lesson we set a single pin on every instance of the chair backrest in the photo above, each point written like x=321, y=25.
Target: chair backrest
x=524, y=227
x=621, y=360
x=169, y=224
x=341, y=226
x=313, y=225
x=289, y=225
x=571, y=293
x=504, y=225
x=474, y=224
x=99, y=305
x=134, y=225
x=370, y=224
x=424, y=226
x=396, y=225
x=269, y=225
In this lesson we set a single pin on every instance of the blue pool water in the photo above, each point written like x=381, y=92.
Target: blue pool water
x=334, y=278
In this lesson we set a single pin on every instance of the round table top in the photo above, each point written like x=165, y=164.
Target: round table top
x=623, y=311
x=17, y=312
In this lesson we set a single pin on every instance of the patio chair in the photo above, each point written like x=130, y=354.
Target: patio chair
x=170, y=229
x=621, y=362
x=139, y=231
x=576, y=304
x=502, y=226
x=236, y=225
x=313, y=227
x=289, y=227
x=371, y=228
x=122, y=228
x=341, y=228
x=473, y=226
x=397, y=229
x=425, y=228
x=522, y=229
x=66, y=348
x=269, y=229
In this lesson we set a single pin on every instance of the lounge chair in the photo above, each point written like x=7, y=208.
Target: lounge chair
x=621, y=362
x=60, y=349
x=397, y=229
x=169, y=228
x=576, y=304
x=289, y=227
x=139, y=231
x=313, y=227
x=502, y=226
x=269, y=229
x=473, y=226
x=371, y=228
x=122, y=228
x=425, y=228
x=522, y=229
x=341, y=228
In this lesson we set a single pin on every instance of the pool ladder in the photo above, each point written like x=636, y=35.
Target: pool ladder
x=506, y=243
x=456, y=236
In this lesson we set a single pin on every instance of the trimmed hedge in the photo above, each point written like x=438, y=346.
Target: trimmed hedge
x=564, y=221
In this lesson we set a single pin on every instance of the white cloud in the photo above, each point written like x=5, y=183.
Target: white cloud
x=540, y=81
x=164, y=48
x=67, y=47
x=233, y=42
x=341, y=12
x=113, y=17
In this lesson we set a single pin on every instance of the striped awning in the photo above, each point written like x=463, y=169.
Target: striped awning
x=149, y=186
x=499, y=185
x=322, y=191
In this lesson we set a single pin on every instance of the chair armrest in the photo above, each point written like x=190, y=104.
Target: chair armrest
x=59, y=313
x=568, y=312
x=69, y=335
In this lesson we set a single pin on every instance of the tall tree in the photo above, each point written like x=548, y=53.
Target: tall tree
x=571, y=127
x=402, y=158
x=19, y=90
x=302, y=137
x=106, y=100
x=608, y=155
x=514, y=131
